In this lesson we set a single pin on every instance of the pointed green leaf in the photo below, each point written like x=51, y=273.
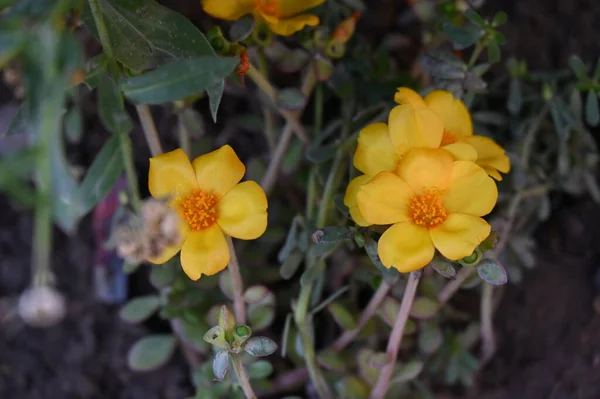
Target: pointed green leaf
x=220, y=365
x=139, y=309
x=151, y=352
x=331, y=360
x=178, y=79
x=578, y=67
x=499, y=19
x=291, y=264
x=492, y=272
x=111, y=108
x=241, y=29
x=342, y=316
x=407, y=371
x=424, y=308
x=462, y=37
x=444, y=268
x=493, y=51
x=474, y=17
x=260, y=369
x=592, y=111
x=430, y=337
x=260, y=346
x=332, y=234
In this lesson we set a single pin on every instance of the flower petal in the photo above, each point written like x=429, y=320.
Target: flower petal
x=229, y=10
x=461, y=151
x=459, y=235
x=426, y=169
x=404, y=95
x=289, y=26
x=489, y=153
x=219, y=171
x=384, y=199
x=414, y=127
x=492, y=172
x=350, y=199
x=288, y=8
x=204, y=252
x=375, y=151
x=471, y=190
x=243, y=211
x=171, y=173
x=406, y=247
x=454, y=113
x=170, y=251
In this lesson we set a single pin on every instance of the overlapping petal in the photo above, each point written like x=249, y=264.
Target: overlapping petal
x=404, y=95
x=414, y=127
x=291, y=25
x=452, y=111
x=471, y=190
x=242, y=212
x=459, y=235
x=426, y=169
x=490, y=155
x=204, y=252
x=219, y=171
x=350, y=199
x=229, y=10
x=406, y=247
x=171, y=174
x=375, y=152
x=384, y=199
x=288, y=8
x=462, y=151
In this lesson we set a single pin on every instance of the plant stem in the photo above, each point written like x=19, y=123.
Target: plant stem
x=184, y=137
x=476, y=53
x=237, y=285
x=488, y=341
x=453, y=285
x=271, y=92
x=101, y=27
x=149, y=129
x=132, y=182
x=242, y=377
x=267, y=112
x=318, y=123
x=270, y=177
x=348, y=336
x=385, y=375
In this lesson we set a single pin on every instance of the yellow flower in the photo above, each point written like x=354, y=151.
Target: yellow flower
x=280, y=15
x=458, y=135
x=381, y=146
x=211, y=202
x=432, y=202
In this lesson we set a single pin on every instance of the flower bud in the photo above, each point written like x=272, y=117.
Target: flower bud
x=41, y=306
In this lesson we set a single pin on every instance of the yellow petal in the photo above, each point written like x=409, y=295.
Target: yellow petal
x=204, y=252
x=375, y=152
x=288, y=8
x=426, y=169
x=414, y=127
x=384, y=199
x=459, y=235
x=350, y=199
x=406, y=247
x=291, y=25
x=471, y=190
x=404, y=95
x=219, y=171
x=169, y=252
x=461, y=151
x=242, y=212
x=492, y=172
x=454, y=114
x=489, y=153
x=171, y=173
x=229, y=10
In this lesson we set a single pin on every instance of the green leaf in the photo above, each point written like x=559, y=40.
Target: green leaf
x=261, y=316
x=74, y=125
x=260, y=369
x=11, y=43
x=424, y=308
x=292, y=239
x=493, y=51
x=290, y=99
x=596, y=74
x=178, y=79
x=290, y=265
x=256, y=294
x=443, y=267
x=331, y=360
x=139, y=309
x=151, y=352
x=215, y=94
x=514, y=101
x=220, y=365
x=165, y=274
x=241, y=29
x=332, y=235
x=407, y=371
x=474, y=17
x=111, y=108
x=226, y=319
x=260, y=346
x=102, y=174
x=430, y=338
x=390, y=275
x=492, y=272
x=342, y=316
x=192, y=334
x=578, y=67
x=499, y=19
x=592, y=111
x=462, y=37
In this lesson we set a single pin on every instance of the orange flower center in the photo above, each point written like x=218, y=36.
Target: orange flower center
x=198, y=209
x=448, y=138
x=268, y=7
x=427, y=210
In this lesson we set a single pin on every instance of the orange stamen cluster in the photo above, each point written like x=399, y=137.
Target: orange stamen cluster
x=198, y=209
x=448, y=138
x=268, y=7
x=244, y=63
x=427, y=210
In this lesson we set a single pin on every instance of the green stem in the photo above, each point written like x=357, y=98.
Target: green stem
x=101, y=27
x=476, y=53
x=149, y=129
x=269, y=118
x=329, y=191
x=132, y=182
x=318, y=123
x=242, y=377
x=184, y=137
x=237, y=284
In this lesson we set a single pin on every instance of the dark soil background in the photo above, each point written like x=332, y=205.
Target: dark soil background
x=548, y=332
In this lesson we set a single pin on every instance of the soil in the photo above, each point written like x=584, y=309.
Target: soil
x=547, y=328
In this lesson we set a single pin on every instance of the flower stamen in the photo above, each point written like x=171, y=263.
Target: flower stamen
x=427, y=210
x=268, y=7
x=198, y=209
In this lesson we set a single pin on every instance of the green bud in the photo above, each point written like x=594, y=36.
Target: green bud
x=226, y=319
x=321, y=37
x=216, y=337
x=473, y=259
x=335, y=49
x=262, y=35
x=217, y=40
x=242, y=331
x=546, y=92
x=240, y=335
